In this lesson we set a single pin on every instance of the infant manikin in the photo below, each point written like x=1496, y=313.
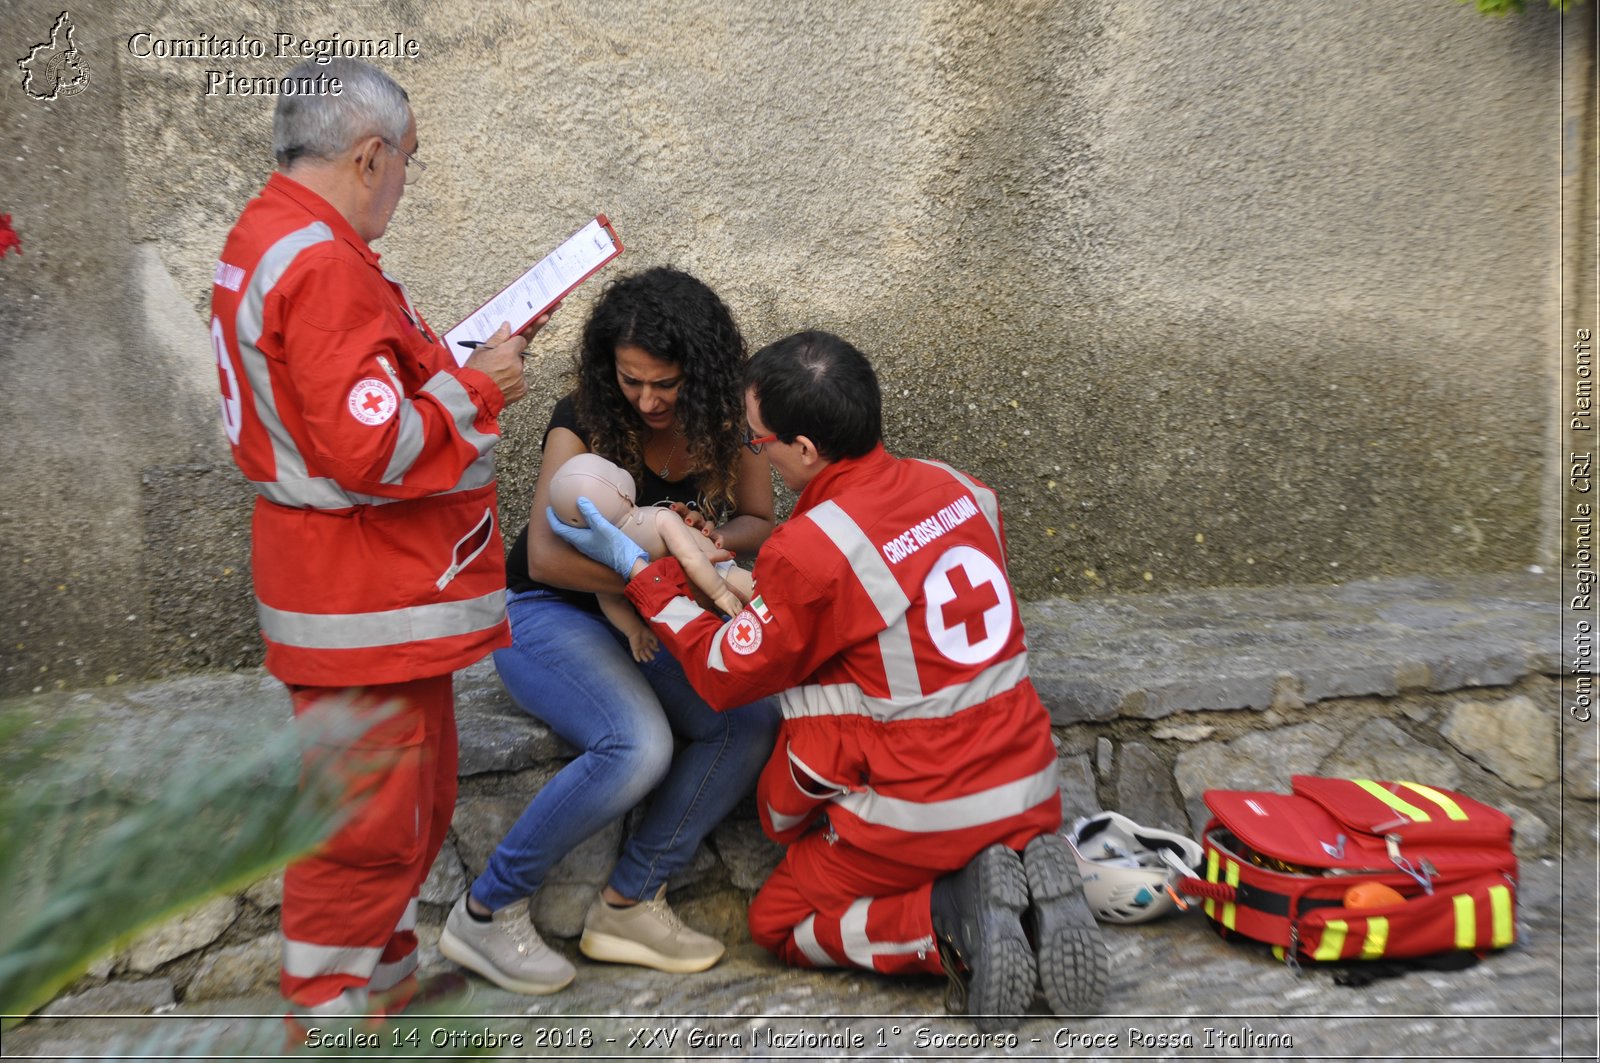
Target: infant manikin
x=658, y=531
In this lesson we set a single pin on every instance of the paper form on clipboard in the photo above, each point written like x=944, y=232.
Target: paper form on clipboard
x=540, y=288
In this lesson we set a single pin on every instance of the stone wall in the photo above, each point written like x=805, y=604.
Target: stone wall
x=1244, y=294
x=1153, y=702
x=1499, y=745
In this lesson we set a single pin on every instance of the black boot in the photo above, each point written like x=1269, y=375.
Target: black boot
x=1073, y=966
x=977, y=919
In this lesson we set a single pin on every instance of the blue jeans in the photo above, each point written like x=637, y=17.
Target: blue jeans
x=571, y=669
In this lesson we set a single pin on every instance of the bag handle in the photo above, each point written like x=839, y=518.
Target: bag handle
x=1215, y=891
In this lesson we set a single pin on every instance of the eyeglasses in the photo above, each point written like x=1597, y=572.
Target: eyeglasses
x=755, y=442
x=411, y=175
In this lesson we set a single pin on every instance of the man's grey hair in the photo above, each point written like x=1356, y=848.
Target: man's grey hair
x=323, y=125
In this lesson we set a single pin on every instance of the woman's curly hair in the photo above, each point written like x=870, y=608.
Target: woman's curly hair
x=675, y=318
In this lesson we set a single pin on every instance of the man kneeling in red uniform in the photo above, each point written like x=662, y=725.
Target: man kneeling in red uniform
x=914, y=780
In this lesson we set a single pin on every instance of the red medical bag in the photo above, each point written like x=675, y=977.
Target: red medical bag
x=1278, y=868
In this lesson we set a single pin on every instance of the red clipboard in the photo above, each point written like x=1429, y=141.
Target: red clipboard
x=543, y=285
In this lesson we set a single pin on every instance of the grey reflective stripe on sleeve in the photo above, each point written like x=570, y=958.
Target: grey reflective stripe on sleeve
x=288, y=463
x=957, y=813
x=861, y=949
x=454, y=396
x=805, y=938
x=305, y=960
x=479, y=474
x=294, y=486
x=463, y=411
x=894, y=641
x=848, y=699
x=407, y=444
x=388, y=627
x=678, y=613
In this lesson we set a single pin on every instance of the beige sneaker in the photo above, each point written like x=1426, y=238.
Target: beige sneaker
x=648, y=934
x=508, y=950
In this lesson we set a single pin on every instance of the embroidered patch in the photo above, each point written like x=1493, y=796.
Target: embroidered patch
x=759, y=605
x=744, y=633
x=372, y=401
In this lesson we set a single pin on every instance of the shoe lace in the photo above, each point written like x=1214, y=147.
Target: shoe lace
x=520, y=930
x=663, y=911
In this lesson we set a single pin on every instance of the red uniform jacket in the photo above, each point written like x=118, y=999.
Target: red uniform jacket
x=375, y=549
x=885, y=617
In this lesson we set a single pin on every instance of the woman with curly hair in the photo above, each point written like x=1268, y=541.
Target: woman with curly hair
x=659, y=394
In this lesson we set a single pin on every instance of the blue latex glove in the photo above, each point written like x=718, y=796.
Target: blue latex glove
x=601, y=541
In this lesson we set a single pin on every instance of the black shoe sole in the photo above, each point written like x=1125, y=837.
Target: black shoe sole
x=1000, y=983
x=1074, y=970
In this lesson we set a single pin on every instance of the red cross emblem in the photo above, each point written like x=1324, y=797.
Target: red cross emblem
x=744, y=633
x=969, y=607
x=373, y=401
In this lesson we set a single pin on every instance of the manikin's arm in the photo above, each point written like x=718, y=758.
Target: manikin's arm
x=692, y=549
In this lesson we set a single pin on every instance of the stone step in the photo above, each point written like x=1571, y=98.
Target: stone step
x=1154, y=698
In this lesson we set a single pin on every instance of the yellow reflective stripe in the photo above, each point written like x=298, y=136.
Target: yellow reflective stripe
x=1229, y=910
x=1451, y=809
x=1377, y=937
x=1466, y=921
x=1332, y=943
x=1410, y=811
x=1503, y=931
x=1211, y=876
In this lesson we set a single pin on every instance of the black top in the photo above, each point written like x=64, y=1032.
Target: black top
x=654, y=491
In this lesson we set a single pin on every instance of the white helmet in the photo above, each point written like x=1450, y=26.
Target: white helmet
x=1128, y=870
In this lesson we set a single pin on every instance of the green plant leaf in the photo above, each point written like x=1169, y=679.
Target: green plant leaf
x=85, y=867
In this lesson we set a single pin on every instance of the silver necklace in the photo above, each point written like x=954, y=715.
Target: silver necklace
x=667, y=464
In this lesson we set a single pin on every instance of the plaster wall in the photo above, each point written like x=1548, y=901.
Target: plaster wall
x=1216, y=293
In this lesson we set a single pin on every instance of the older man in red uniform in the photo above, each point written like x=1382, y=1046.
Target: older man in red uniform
x=914, y=779
x=377, y=562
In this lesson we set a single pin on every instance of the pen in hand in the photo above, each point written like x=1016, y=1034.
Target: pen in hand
x=473, y=345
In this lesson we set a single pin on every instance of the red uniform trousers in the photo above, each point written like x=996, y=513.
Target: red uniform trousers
x=350, y=908
x=830, y=904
